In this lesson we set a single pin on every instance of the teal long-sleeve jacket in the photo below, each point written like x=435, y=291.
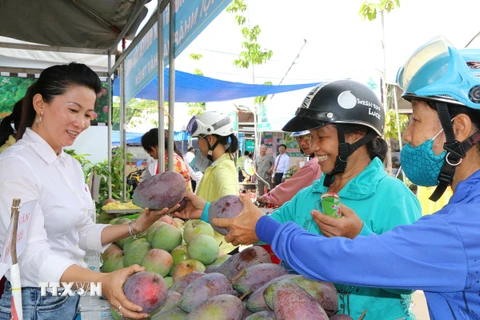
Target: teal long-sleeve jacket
x=382, y=203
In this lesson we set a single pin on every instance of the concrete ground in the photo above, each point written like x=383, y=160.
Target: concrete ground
x=420, y=306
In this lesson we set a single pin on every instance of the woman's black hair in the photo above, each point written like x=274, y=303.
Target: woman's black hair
x=231, y=140
x=6, y=129
x=150, y=141
x=55, y=81
x=191, y=148
x=377, y=147
x=455, y=110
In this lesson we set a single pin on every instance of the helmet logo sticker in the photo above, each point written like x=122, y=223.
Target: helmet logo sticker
x=346, y=100
x=306, y=102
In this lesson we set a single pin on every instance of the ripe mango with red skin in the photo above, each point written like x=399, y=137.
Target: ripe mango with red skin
x=223, y=306
x=242, y=260
x=323, y=292
x=180, y=284
x=171, y=301
x=228, y=206
x=172, y=314
x=200, y=290
x=256, y=301
x=112, y=255
x=255, y=276
x=292, y=302
x=262, y=315
x=158, y=261
x=160, y=191
x=146, y=289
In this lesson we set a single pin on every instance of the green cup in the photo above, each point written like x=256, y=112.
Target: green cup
x=331, y=204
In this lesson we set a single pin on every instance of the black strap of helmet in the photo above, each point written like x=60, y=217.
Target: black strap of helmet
x=455, y=152
x=210, y=148
x=345, y=150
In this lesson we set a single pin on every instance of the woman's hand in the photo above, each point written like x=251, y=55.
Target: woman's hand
x=348, y=226
x=242, y=227
x=113, y=291
x=148, y=217
x=194, y=207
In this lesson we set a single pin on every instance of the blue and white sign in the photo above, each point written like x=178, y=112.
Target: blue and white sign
x=191, y=17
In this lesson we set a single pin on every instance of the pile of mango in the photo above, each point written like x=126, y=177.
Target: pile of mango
x=192, y=279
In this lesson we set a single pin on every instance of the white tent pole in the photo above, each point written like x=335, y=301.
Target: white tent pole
x=109, y=126
x=123, y=136
x=171, y=86
x=397, y=119
x=161, y=92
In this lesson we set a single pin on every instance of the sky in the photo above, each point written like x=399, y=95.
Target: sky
x=336, y=42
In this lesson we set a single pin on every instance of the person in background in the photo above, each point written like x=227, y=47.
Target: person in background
x=188, y=157
x=348, y=143
x=217, y=146
x=282, y=164
x=263, y=163
x=301, y=179
x=9, y=127
x=195, y=175
x=247, y=163
x=150, y=144
x=55, y=111
x=440, y=253
x=240, y=162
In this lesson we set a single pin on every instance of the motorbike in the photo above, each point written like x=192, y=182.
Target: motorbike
x=133, y=178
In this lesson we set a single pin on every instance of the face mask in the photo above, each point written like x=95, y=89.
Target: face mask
x=420, y=164
x=200, y=162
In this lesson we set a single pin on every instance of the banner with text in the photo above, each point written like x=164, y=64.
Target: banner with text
x=191, y=17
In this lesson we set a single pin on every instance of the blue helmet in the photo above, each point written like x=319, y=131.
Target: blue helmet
x=439, y=72
x=446, y=76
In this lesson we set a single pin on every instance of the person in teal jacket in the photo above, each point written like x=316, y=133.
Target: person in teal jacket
x=348, y=114
x=382, y=203
x=346, y=121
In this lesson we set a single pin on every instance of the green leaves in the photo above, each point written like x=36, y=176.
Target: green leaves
x=391, y=128
x=196, y=108
x=238, y=6
x=13, y=89
x=368, y=10
x=101, y=168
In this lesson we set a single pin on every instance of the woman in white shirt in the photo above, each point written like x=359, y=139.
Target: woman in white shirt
x=56, y=109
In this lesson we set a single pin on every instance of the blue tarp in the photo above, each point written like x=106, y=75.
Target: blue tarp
x=136, y=137
x=194, y=88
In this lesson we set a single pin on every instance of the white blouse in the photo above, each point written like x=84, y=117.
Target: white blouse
x=61, y=228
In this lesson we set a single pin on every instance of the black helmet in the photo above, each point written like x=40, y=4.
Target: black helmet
x=341, y=101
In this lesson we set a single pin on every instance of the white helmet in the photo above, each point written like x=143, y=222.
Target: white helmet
x=210, y=123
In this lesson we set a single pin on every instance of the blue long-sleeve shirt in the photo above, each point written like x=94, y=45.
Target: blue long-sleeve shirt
x=439, y=254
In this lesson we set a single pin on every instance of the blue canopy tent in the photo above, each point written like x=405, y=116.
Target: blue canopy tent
x=136, y=137
x=194, y=88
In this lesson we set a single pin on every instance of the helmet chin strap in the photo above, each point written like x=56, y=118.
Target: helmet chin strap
x=345, y=150
x=456, y=151
x=210, y=149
